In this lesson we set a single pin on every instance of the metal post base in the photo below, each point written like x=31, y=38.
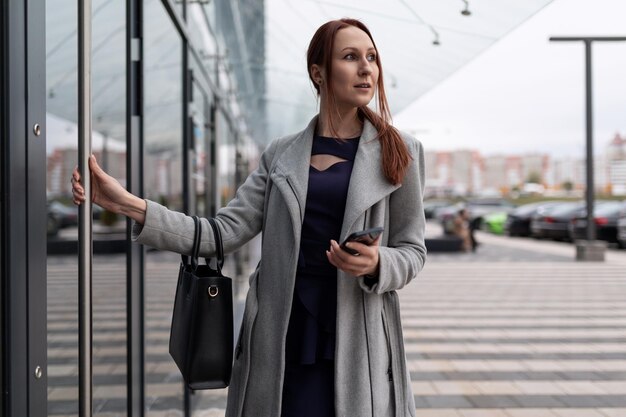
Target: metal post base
x=593, y=250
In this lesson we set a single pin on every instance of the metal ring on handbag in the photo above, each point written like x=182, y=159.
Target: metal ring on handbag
x=213, y=290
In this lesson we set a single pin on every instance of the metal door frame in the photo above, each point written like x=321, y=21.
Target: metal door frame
x=24, y=213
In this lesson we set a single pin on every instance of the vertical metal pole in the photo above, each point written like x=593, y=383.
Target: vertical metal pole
x=135, y=311
x=591, y=229
x=187, y=152
x=85, y=394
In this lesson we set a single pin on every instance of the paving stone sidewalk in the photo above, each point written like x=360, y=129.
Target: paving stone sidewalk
x=518, y=329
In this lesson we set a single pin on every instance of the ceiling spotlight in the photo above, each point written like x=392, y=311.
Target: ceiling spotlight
x=466, y=11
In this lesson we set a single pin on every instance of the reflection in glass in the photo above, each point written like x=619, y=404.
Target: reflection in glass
x=199, y=110
x=163, y=182
x=226, y=160
x=201, y=23
x=109, y=270
x=162, y=108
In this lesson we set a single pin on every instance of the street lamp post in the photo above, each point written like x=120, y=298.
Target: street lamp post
x=589, y=250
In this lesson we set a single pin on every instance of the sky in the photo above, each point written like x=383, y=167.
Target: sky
x=526, y=94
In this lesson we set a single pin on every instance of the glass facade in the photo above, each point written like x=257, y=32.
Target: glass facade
x=196, y=148
x=214, y=170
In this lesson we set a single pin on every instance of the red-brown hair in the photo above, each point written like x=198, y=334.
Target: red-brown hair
x=395, y=155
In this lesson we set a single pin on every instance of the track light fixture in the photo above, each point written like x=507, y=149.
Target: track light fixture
x=466, y=11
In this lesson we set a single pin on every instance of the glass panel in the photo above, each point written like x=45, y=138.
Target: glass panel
x=199, y=111
x=61, y=157
x=163, y=183
x=226, y=161
x=178, y=6
x=198, y=132
x=108, y=144
x=109, y=229
x=200, y=20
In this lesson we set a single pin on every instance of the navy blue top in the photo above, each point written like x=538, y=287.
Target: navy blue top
x=311, y=333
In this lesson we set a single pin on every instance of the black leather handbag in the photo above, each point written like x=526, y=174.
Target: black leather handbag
x=201, y=338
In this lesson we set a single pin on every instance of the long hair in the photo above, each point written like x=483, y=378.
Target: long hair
x=395, y=155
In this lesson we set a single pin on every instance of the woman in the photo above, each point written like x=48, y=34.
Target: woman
x=321, y=333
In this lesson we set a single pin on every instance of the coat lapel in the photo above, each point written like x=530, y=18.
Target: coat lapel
x=293, y=164
x=368, y=184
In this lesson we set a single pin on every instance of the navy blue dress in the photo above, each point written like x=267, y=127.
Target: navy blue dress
x=308, y=388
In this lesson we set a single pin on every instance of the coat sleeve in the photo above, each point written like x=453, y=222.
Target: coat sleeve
x=239, y=221
x=405, y=253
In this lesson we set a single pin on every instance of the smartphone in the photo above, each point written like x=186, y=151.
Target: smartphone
x=366, y=237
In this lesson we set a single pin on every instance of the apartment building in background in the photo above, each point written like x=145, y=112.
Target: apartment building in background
x=467, y=172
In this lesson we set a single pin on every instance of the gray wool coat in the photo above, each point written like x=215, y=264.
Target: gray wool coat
x=371, y=377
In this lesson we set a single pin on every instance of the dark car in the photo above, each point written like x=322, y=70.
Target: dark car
x=518, y=221
x=553, y=222
x=605, y=217
x=52, y=227
x=431, y=207
x=66, y=216
x=621, y=229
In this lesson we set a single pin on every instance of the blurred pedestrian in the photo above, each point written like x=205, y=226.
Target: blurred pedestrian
x=474, y=224
x=321, y=333
x=462, y=229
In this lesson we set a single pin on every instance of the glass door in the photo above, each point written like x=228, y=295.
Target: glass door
x=109, y=246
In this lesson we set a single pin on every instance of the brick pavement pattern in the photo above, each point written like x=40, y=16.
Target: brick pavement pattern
x=518, y=329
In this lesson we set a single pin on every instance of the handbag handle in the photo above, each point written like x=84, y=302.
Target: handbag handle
x=219, y=249
x=195, y=249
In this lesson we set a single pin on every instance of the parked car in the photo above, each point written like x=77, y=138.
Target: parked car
x=553, y=222
x=605, y=217
x=52, y=227
x=66, y=216
x=621, y=229
x=431, y=206
x=518, y=221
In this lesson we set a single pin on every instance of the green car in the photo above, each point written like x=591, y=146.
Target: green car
x=494, y=222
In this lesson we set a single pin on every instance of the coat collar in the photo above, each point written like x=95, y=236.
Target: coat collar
x=367, y=182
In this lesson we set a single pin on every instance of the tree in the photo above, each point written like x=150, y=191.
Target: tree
x=567, y=186
x=534, y=177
